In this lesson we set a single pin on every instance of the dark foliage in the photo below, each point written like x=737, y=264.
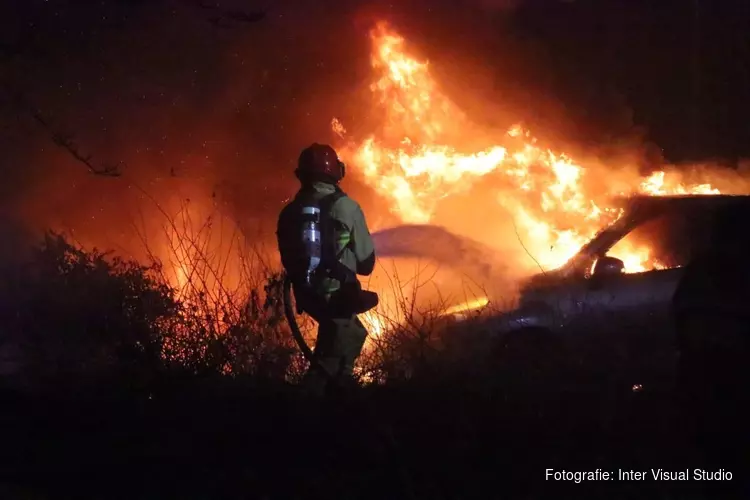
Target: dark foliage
x=79, y=315
x=71, y=316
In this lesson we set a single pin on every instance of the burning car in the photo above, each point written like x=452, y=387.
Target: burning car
x=616, y=317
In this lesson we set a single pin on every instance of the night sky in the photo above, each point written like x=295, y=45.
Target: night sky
x=182, y=93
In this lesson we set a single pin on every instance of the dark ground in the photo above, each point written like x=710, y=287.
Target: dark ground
x=224, y=439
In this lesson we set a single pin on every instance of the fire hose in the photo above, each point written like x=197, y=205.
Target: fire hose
x=296, y=333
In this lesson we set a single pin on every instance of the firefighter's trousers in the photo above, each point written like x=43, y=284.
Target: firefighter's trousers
x=339, y=344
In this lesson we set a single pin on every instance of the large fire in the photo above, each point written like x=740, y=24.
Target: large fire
x=426, y=152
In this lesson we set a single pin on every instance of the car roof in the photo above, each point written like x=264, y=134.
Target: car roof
x=637, y=207
x=679, y=202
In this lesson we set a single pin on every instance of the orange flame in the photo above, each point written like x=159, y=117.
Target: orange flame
x=420, y=157
x=426, y=152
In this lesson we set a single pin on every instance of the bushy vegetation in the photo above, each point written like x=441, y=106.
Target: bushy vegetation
x=78, y=316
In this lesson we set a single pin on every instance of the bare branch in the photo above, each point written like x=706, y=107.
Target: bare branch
x=515, y=228
x=64, y=141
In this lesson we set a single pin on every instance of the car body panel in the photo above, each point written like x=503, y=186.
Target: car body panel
x=630, y=313
x=594, y=303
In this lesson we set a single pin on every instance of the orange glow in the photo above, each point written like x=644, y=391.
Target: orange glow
x=423, y=155
x=468, y=306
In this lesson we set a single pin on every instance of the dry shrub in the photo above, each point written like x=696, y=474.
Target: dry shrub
x=78, y=315
x=83, y=313
x=417, y=340
x=231, y=319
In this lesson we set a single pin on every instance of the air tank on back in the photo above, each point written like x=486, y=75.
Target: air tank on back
x=311, y=239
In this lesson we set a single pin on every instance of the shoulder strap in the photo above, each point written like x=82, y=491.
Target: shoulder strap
x=333, y=263
x=326, y=203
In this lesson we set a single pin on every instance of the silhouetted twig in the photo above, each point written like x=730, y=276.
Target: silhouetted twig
x=66, y=142
x=60, y=139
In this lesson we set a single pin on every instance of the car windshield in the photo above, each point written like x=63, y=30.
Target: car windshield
x=666, y=241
